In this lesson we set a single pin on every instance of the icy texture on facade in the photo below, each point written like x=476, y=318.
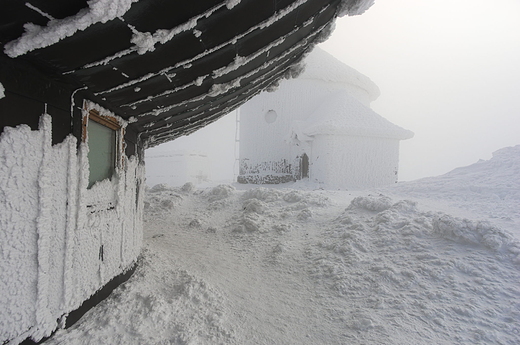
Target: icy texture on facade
x=319, y=126
x=60, y=242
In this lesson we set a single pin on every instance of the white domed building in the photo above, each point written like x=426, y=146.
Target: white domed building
x=319, y=126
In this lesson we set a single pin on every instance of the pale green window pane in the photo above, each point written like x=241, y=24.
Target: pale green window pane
x=102, y=149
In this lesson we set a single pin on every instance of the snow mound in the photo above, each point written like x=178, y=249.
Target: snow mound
x=248, y=223
x=220, y=192
x=188, y=187
x=496, y=179
x=262, y=208
x=370, y=203
x=293, y=196
x=264, y=194
x=254, y=206
x=161, y=187
x=489, y=189
x=467, y=231
x=160, y=304
x=160, y=200
x=432, y=272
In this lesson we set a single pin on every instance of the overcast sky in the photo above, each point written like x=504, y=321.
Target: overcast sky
x=447, y=70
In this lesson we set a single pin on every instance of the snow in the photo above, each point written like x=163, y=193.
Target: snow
x=320, y=65
x=218, y=89
x=234, y=264
x=342, y=114
x=52, y=232
x=34, y=8
x=35, y=36
x=324, y=114
x=2, y=91
x=358, y=8
x=488, y=189
x=232, y=3
x=145, y=42
x=18, y=275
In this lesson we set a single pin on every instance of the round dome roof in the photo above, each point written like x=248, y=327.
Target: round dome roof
x=320, y=65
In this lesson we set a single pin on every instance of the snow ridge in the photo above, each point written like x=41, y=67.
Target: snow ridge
x=487, y=188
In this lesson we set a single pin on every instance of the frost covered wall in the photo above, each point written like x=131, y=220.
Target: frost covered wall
x=265, y=124
x=59, y=241
x=323, y=115
x=348, y=162
x=177, y=168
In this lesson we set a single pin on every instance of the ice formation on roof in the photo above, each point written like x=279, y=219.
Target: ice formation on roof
x=35, y=36
x=146, y=41
x=359, y=7
x=232, y=3
x=34, y=8
x=321, y=65
x=341, y=113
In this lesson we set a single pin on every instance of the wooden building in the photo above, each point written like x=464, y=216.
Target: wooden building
x=85, y=87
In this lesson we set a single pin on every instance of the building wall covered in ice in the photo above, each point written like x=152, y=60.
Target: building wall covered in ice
x=59, y=241
x=324, y=117
x=349, y=162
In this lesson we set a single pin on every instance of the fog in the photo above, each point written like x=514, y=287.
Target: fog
x=449, y=71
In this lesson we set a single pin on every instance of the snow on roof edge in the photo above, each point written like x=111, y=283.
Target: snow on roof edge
x=358, y=8
x=35, y=36
x=342, y=113
x=321, y=65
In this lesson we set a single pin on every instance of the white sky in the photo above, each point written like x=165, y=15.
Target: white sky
x=447, y=70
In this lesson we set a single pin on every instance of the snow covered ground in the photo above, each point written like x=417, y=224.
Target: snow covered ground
x=432, y=261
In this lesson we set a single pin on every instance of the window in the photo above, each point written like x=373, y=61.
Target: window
x=270, y=116
x=103, y=135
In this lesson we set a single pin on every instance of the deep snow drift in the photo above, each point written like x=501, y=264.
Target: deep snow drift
x=487, y=189
x=296, y=266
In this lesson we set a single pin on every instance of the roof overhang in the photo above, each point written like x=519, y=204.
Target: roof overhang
x=168, y=67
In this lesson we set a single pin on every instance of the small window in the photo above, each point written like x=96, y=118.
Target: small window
x=102, y=134
x=270, y=116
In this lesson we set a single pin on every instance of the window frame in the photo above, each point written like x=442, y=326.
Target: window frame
x=112, y=123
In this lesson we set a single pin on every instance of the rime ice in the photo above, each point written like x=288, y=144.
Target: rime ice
x=319, y=126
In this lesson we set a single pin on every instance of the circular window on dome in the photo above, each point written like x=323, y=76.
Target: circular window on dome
x=271, y=116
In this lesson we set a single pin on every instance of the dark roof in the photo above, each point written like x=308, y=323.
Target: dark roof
x=219, y=54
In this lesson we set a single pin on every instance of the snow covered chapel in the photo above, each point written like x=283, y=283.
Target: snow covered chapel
x=85, y=87
x=319, y=126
